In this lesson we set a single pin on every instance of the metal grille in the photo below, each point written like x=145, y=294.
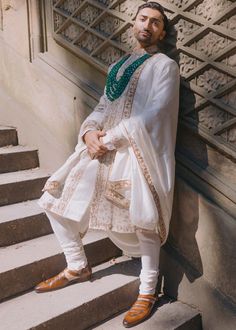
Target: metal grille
x=100, y=31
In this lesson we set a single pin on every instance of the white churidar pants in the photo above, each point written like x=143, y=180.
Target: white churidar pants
x=67, y=234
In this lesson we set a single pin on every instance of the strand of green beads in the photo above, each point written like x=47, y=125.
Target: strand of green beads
x=111, y=79
x=114, y=87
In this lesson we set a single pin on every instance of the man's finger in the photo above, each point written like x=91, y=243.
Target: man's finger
x=101, y=133
x=100, y=145
x=92, y=150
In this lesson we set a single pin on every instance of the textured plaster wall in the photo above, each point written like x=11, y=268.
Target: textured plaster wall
x=42, y=99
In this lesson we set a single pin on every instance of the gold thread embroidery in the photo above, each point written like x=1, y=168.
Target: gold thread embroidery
x=51, y=185
x=106, y=161
x=120, y=184
x=67, y=193
x=70, y=185
x=162, y=228
x=116, y=197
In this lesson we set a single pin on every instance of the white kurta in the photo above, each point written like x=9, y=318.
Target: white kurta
x=132, y=186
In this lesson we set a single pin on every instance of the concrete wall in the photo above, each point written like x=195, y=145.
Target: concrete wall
x=198, y=262
x=44, y=95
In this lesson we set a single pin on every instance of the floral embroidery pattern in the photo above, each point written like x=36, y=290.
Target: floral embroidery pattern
x=115, y=196
x=104, y=214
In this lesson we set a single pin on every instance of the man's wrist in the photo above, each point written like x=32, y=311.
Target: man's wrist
x=87, y=131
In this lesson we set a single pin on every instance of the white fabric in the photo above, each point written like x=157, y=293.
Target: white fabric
x=154, y=132
x=150, y=251
x=68, y=235
x=78, y=207
x=143, y=212
x=152, y=127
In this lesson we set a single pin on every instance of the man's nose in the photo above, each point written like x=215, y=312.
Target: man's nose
x=147, y=25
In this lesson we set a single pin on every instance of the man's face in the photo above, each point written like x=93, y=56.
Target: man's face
x=149, y=27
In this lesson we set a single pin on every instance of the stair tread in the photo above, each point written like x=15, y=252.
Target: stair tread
x=7, y=128
x=15, y=149
x=28, y=252
x=32, y=309
x=167, y=315
x=19, y=211
x=24, y=175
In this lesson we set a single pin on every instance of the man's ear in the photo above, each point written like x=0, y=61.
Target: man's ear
x=162, y=35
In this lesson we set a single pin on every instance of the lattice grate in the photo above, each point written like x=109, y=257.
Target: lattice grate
x=100, y=31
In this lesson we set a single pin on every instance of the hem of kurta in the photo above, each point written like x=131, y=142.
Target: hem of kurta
x=113, y=228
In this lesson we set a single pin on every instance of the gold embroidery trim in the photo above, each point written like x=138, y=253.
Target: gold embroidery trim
x=51, y=185
x=114, y=118
x=161, y=225
x=119, y=184
x=116, y=198
x=113, y=195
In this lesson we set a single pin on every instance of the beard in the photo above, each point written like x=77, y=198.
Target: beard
x=144, y=37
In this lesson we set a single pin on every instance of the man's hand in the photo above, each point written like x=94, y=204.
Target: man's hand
x=95, y=147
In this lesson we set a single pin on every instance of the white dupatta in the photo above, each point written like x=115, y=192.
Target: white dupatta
x=147, y=141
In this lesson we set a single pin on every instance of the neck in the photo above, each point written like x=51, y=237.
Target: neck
x=151, y=49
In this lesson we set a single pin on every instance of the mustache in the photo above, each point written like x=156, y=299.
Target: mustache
x=146, y=31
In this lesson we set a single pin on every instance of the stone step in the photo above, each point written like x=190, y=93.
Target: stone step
x=21, y=186
x=23, y=265
x=16, y=158
x=8, y=136
x=22, y=221
x=112, y=289
x=166, y=315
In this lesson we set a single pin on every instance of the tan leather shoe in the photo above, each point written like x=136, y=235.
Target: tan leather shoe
x=140, y=310
x=64, y=278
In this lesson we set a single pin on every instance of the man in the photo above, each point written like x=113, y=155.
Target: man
x=121, y=176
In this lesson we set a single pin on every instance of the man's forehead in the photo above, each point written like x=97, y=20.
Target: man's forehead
x=151, y=13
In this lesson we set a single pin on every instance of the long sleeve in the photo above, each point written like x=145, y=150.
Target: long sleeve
x=95, y=120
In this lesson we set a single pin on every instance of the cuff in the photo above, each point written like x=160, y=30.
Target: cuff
x=90, y=125
x=107, y=141
x=86, y=131
x=115, y=137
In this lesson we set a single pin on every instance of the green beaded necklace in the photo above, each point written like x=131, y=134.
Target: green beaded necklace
x=114, y=87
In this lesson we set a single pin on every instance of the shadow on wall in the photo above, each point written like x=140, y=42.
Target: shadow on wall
x=181, y=256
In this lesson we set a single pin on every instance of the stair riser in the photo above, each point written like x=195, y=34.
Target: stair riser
x=95, y=311
x=8, y=137
x=21, y=191
x=194, y=324
x=26, y=277
x=24, y=229
x=166, y=315
x=12, y=162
